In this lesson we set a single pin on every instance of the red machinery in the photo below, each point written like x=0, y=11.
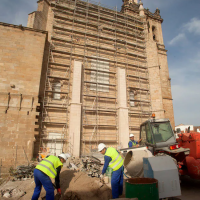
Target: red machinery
x=191, y=164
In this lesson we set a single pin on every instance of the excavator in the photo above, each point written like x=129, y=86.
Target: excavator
x=158, y=137
x=151, y=159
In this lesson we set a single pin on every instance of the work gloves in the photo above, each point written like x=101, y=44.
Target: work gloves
x=59, y=191
x=101, y=176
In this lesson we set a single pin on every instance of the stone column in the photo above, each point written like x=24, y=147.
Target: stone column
x=123, y=122
x=141, y=9
x=75, y=111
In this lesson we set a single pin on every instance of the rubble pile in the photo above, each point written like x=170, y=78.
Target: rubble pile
x=88, y=164
x=12, y=193
x=23, y=172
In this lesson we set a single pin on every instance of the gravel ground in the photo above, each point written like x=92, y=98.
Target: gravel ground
x=190, y=189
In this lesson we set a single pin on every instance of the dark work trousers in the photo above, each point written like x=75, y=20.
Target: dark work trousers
x=117, y=183
x=42, y=179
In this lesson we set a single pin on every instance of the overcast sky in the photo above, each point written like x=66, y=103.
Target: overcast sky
x=181, y=31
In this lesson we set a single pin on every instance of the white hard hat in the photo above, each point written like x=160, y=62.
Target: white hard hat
x=131, y=135
x=64, y=156
x=68, y=155
x=101, y=146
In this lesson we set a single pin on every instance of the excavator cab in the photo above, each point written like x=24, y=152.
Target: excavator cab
x=158, y=136
x=157, y=132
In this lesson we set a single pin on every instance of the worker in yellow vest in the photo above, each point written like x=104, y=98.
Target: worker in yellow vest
x=114, y=160
x=48, y=167
x=132, y=142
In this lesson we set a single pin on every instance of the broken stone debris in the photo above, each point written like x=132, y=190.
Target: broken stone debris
x=13, y=193
x=88, y=164
x=7, y=194
x=23, y=172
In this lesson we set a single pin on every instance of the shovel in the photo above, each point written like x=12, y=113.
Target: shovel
x=58, y=196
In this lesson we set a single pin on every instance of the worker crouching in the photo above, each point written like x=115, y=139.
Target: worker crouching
x=49, y=167
x=114, y=160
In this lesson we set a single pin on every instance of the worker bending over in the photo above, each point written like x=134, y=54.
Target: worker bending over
x=132, y=142
x=114, y=160
x=49, y=167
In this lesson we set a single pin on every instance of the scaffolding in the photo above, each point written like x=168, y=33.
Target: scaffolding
x=103, y=39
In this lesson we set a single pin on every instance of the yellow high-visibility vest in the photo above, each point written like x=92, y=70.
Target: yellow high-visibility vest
x=133, y=142
x=117, y=160
x=49, y=165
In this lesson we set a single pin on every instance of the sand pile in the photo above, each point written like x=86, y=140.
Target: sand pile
x=78, y=186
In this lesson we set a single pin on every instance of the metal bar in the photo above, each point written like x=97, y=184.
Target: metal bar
x=56, y=77
x=98, y=83
x=106, y=72
x=0, y=168
x=20, y=104
x=16, y=157
x=8, y=103
x=58, y=64
x=26, y=156
x=32, y=103
x=56, y=92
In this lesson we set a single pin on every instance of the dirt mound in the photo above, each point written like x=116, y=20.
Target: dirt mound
x=78, y=186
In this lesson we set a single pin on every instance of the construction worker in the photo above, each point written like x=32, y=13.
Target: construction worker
x=114, y=160
x=132, y=142
x=48, y=167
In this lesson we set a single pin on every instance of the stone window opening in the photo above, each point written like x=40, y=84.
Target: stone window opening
x=154, y=33
x=56, y=87
x=148, y=25
x=99, y=77
x=132, y=98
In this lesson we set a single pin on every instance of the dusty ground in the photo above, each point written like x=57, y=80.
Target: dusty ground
x=74, y=186
x=78, y=186
x=190, y=189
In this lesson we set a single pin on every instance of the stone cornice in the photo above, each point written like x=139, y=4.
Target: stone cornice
x=132, y=7
x=47, y=1
x=161, y=47
x=135, y=8
x=155, y=15
x=167, y=98
x=23, y=28
x=162, y=53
